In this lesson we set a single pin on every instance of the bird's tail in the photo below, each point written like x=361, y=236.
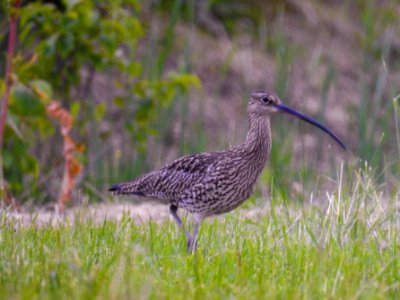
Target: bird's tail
x=125, y=188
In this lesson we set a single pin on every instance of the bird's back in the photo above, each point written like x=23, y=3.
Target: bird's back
x=169, y=182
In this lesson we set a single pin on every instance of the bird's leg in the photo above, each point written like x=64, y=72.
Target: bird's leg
x=173, y=210
x=192, y=243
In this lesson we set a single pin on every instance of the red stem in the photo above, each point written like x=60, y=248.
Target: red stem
x=12, y=38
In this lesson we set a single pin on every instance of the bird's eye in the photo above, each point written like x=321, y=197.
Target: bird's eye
x=266, y=100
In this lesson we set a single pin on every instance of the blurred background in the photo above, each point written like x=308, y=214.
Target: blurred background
x=148, y=81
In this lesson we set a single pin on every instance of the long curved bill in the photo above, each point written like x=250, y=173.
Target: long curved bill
x=310, y=120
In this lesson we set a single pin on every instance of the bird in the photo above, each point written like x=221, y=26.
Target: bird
x=214, y=183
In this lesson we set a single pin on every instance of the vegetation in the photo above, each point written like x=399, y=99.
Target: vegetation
x=348, y=249
x=114, y=47
x=78, y=41
x=134, y=84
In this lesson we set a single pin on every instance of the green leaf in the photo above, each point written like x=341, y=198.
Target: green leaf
x=13, y=126
x=75, y=109
x=30, y=165
x=100, y=111
x=119, y=101
x=24, y=103
x=50, y=45
x=43, y=89
x=143, y=111
x=7, y=159
x=185, y=81
x=134, y=69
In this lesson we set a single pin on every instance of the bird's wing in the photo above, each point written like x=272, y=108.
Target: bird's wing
x=193, y=164
x=223, y=189
x=170, y=181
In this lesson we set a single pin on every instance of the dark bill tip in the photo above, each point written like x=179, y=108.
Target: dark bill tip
x=310, y=120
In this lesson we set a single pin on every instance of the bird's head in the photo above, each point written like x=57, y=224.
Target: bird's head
x=265, y=104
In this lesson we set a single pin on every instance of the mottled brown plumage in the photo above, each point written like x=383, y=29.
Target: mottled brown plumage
x=213, y=183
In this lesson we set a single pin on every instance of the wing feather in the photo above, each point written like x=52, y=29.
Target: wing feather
x=170, y=181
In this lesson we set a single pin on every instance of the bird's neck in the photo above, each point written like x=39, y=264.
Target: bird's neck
x=258, y=140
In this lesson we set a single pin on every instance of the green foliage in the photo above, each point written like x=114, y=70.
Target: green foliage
x=86, y=34
x=21, y=167
x=25, y=104
x=27, y=117
x=58, y=44
x=43, y=89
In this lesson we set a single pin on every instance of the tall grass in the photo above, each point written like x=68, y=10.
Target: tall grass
x=346, y=248
x=396, y=114
x=372, y=117
x=373, y=113
x=375, y=110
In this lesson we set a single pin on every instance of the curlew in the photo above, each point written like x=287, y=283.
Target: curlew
x=214, y=183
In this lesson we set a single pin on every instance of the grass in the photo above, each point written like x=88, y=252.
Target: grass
x=347, y=248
